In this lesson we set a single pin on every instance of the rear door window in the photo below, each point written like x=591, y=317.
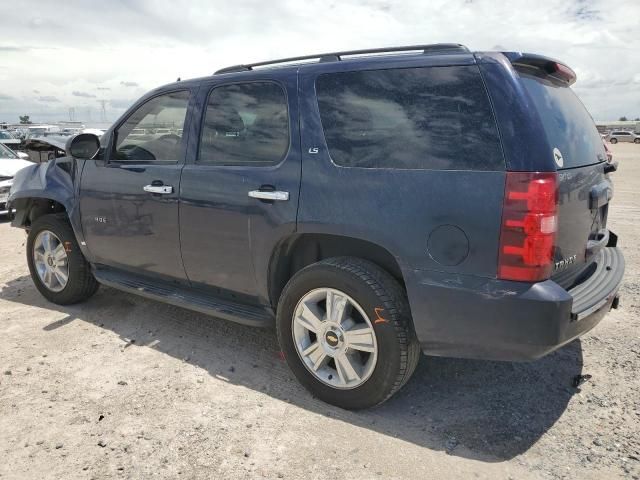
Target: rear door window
x=410, y=118
x=568, y=125
x=245, y=124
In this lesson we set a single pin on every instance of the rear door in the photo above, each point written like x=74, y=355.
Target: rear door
x=239, y=191
x=584, y=188
x=624, y=137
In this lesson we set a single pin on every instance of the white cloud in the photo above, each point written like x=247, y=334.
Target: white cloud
x=119, y=49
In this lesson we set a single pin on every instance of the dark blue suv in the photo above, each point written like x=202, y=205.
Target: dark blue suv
x=372, y=204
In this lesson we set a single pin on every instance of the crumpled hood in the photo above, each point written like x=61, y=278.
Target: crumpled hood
x=10, y=166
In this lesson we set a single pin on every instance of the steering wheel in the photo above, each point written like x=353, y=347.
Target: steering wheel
x=170, y=137
x=135, y=152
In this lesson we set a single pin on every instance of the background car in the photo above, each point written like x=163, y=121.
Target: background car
x=8, y=139
x=620, y=136
x=10, y=163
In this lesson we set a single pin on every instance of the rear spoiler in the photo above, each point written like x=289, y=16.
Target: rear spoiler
x=550, y=67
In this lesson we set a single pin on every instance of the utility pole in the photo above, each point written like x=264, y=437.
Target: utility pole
x=103, y=110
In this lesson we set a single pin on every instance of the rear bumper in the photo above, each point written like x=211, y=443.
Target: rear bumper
x=472, y=317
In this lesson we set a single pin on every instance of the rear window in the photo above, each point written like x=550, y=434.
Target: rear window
x=568, y=125
x=411, y=118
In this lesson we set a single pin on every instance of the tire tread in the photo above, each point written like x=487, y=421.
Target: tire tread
x=82, y=284
x=395, y=302
x=392, y=297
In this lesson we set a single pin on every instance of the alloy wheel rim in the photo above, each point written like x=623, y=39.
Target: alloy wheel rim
x=51, y=261
x=334, y=338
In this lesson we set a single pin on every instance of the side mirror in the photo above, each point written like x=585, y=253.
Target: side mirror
x=84, y=146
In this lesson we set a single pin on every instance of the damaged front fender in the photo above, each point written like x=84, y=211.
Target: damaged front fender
x=45, y=185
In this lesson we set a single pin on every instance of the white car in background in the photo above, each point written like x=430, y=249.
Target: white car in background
x=8, y=139
x=623, y=136
x=10, y=163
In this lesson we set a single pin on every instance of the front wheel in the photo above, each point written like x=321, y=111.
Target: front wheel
x=613, y=140
x=636, y=140
x=345, y=330
x=58, y=268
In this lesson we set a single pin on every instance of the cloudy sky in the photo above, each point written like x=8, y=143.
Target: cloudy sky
x=57, y=56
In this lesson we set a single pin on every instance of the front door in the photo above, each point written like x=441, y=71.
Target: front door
x=239, y=190
x=129, y=200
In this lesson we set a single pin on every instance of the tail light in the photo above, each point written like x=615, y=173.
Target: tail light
x=529, y=225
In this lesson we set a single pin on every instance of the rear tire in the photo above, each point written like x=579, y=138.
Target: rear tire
x=613, y=140
x=386, y=351
x=63, y=277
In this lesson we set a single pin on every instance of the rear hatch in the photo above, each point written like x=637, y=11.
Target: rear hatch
x=584, y=190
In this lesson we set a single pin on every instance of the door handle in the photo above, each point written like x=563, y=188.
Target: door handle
x=267, y=195
x=161, y=189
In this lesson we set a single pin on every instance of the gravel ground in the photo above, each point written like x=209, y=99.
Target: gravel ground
x=123, y=387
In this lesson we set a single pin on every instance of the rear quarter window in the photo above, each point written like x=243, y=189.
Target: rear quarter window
x=411, y=118
x=566, y=122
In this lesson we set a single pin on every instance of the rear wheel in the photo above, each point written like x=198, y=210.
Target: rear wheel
x=613, y=140
x=345, y=330
x=58, y=268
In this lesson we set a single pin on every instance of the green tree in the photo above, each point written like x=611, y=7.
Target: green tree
x=623, y=119
x=24, y=119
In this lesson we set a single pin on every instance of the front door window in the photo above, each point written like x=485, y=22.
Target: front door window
x=153, y=133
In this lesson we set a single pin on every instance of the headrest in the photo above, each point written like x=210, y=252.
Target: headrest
x=226, y=120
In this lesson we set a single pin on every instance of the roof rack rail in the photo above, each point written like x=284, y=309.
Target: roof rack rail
x=337, y=56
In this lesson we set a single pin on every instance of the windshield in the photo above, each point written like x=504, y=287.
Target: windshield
x=568, y=125
x=6, y=152
x=5, y=135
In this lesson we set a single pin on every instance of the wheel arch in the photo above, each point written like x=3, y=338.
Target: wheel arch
x=301, y=250
x=29, y=209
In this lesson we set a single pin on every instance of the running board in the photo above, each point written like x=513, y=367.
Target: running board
x=253, y=316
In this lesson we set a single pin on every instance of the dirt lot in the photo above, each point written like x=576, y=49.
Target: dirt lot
x=122, y=387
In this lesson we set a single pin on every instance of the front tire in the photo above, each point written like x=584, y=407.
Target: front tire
x=58, y=268
x=613, y=140
x=636, y=140
x=345, y=329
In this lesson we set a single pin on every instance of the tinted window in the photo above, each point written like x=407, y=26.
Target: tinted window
x=568, y=125
x=416, y=118
x=154, y=131
x=245, y=124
